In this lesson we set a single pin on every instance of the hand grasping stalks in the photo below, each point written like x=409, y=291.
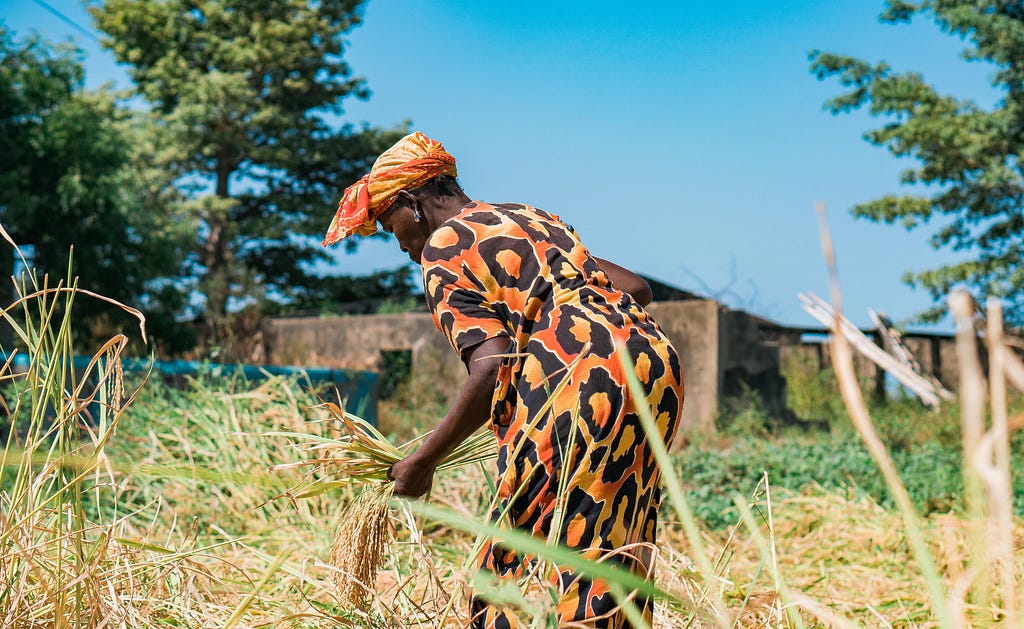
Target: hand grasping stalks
x=361, y=457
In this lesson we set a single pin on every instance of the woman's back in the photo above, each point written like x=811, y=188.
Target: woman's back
x=527, y=270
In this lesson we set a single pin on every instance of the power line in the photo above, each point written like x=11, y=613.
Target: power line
x=76, y=25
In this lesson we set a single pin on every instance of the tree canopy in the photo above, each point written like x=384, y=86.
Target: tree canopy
x=72, y=172
x=968, y=184
x=247, y=98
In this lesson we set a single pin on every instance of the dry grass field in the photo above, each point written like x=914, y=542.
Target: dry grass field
x=171, y=516
x=134, y=504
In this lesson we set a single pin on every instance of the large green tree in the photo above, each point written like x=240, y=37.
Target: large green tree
x=248, y=94
x=968, y=184
x=72, y=173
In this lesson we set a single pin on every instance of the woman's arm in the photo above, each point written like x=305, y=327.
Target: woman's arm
x=627, y=281
x=414, y=474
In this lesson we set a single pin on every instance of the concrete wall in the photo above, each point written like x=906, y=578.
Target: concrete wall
x=356, y=342
x=936, y=356
x=818, y=355
x=747, y=360
x=693, y=327
x=722, y=351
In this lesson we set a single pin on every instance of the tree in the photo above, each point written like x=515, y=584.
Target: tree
x=247, y=94
x=70, y=175
x=969, y=181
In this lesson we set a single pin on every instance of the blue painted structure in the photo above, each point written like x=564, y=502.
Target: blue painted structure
x=357, y=388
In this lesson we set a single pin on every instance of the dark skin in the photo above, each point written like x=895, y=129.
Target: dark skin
x=472, y=408
x=412, y=218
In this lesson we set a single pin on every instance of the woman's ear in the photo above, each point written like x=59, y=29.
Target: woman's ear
x=406, y=197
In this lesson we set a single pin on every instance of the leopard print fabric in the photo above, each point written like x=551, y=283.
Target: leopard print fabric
x=562, y=410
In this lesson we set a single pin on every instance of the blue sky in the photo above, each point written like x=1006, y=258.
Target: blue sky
x=685, y=140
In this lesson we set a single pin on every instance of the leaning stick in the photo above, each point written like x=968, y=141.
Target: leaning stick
x=823, y=312
x=894, y=345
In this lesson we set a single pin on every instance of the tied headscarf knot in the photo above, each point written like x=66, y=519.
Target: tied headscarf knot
x=411, y=162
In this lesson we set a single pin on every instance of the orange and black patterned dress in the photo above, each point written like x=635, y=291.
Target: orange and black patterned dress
x=515, y=271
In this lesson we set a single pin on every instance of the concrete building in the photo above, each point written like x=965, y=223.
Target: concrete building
x=723, y=351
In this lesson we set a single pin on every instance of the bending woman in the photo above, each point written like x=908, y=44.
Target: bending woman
x=537, y=320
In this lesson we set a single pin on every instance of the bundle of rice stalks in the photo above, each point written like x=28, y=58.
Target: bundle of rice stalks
x=360, y=457
x=360, y=543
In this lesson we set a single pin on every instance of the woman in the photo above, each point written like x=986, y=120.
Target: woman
x=537, y=320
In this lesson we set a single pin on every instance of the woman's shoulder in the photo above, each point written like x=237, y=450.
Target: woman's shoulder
x=479, y=221
x=460, y=234
x=510, y=214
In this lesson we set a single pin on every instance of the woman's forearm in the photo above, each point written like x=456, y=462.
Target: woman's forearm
x=471, y=409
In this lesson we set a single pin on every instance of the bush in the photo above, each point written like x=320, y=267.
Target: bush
x=925, y=446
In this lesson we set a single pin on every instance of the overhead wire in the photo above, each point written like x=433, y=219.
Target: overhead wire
x=85, y=31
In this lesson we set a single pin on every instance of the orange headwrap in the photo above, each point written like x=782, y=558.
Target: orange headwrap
x=411, y=162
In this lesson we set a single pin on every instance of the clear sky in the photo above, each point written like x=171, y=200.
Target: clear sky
x=684, y=140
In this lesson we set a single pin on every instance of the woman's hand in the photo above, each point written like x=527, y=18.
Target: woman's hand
x=412, y=477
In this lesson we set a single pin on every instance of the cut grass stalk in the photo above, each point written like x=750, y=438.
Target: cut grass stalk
x=361, y=541
x=362, y=455
x=842, y=362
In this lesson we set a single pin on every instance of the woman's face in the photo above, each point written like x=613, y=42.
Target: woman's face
x=399, y=220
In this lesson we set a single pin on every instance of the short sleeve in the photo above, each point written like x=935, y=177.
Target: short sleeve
x=460, y=310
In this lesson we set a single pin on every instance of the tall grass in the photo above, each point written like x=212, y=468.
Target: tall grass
x=970, y=600
x=136, y=504
x=57, y=567
x=106, y=526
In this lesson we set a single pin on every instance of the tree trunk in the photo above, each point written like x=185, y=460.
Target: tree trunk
x=216, y=260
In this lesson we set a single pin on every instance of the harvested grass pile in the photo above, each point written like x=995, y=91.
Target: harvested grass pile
x=360, y=455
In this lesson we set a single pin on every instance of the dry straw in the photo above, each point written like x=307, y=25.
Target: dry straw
x=986, y=591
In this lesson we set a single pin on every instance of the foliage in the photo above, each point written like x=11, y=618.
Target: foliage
x=838, y=464
x=246, y=96
x=925, y=446
x=376, y=292
x=73, y=172
x=811, y=391
x=969, y=181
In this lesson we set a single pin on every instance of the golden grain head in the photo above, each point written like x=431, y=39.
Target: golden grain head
x=361, y=542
